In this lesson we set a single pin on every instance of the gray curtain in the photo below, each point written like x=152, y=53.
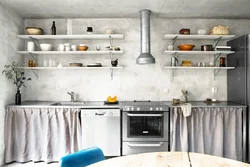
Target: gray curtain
x=214, y=131
x=41, y=134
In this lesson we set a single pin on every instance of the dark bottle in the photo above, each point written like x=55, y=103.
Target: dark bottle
x=18, y=97
x=53, y=28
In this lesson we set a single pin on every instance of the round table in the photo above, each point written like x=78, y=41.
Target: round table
x=170, y=159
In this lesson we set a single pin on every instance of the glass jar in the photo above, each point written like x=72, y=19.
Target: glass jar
x=170, y=46
x=222, y=62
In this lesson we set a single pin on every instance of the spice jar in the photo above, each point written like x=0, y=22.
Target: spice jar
x=222, y=62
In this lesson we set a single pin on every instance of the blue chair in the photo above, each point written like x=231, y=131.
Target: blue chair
x=82, y=158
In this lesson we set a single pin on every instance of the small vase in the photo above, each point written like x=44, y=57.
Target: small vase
x=18, y=97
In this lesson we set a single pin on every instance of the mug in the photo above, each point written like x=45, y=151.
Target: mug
x=61, y=47
x=67, y=48
x=73, y=47
x=202, y=32
x=30, y=46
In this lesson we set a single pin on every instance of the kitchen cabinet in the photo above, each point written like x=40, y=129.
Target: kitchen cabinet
x=36, y=38
x=216, y=54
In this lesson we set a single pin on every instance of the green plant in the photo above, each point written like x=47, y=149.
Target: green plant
x=15, y=74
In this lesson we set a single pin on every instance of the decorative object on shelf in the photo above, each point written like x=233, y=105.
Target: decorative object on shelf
x=222, y=62
x=94, y=65
x=69, y=26
x=174, y=61
x=184, y=31
x=16, y=75
x=206, y=47
x=202, y=32
x=30, y=46
x=170, y=46
x=117, y=48
x=67, y=46
x=53, y=28
x=114, y=63
x=75, y=64
x=61, y=47
x=98, y=48
x=219, y=30
x=186, y=63
x=186, y=47
x=89, y=30
x=34, y=31
x=82, y=47
x=46, y=47
x=31, y=63
x=110, y=31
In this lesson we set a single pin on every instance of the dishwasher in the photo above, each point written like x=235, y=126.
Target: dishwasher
x=102, y=128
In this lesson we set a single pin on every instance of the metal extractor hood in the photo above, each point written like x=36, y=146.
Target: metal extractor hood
x=145, y=57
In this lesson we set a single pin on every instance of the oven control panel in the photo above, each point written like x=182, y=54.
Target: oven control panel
x=145, y=108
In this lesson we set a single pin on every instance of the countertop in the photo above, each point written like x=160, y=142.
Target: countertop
x=100, y=104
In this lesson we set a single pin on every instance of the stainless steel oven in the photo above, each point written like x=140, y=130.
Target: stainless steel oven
x=145, y=127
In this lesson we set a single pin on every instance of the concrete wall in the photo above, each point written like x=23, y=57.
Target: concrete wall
x=134, y=81
x=10, y=26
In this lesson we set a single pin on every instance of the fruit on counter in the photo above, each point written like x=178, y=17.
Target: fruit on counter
x=111, y=99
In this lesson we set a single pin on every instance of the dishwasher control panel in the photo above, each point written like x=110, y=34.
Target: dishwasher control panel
x=100, y=112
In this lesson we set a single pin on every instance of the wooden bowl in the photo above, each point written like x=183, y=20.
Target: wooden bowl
x=186, y=47
x=82, y=48
x=34, y=31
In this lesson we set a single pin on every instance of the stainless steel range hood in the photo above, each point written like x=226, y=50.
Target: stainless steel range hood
x=145, y=57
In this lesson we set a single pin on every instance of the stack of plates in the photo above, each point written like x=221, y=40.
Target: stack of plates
x=95, y=65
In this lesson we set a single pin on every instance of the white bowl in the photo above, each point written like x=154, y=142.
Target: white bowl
x=45, y=47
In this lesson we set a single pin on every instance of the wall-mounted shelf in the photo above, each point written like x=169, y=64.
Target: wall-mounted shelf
x=179, y=52
x=84, y=36
x=202, y=37
x=71, y=52
x=216, y=70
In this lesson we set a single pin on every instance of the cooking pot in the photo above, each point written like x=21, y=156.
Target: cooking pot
x=206, y=47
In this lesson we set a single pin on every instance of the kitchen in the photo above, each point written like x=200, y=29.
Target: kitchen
x=133, y=82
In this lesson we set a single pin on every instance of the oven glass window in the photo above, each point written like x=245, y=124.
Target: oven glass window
x=145, y=125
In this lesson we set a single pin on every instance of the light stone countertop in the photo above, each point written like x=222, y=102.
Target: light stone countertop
x=100, y=104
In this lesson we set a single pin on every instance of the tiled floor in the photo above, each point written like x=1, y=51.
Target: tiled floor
x=32, y=164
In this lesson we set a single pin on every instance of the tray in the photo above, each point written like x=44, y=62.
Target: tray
x=106, y=102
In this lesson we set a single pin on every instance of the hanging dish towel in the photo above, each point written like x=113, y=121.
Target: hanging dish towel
x=186, y=109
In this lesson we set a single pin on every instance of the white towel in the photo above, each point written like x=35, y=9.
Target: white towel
x=186, y=109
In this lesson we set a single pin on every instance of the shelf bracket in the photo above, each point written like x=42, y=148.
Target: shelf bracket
x=36, y=42
x=110, y=55
x=34, y=72
x=216, y=41
x=216, y=56
x=216, y=73
x=174, y=39
x=32, y=55
x=173, y=72
x=174, y=54
x=111, y=41
x=111, y=73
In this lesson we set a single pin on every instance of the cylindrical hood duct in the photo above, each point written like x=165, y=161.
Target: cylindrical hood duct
x=145, y=56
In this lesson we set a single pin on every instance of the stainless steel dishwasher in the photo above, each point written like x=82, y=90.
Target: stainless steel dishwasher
x=102, y=128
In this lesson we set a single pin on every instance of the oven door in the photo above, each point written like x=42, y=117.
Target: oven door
x=145, y=126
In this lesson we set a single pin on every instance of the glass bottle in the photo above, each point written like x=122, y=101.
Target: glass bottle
x=53, y=28
x=18, y=97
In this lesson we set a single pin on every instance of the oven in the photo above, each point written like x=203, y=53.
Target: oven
x=145, y=129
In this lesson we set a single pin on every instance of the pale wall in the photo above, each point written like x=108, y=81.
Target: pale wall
x=10, y=26
x=134, y=81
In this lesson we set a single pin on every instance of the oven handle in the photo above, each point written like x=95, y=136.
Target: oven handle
x=144, y=115
x=145, y=145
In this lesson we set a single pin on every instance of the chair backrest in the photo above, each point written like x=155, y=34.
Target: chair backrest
x=82, y=158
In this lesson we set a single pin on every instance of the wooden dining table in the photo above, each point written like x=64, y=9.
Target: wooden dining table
x=170, y=159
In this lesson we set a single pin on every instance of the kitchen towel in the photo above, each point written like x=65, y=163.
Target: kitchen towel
x=186, y=109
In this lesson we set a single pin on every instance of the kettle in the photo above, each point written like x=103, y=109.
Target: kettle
x=174, y=61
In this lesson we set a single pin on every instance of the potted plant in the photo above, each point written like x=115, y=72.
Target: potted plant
x=16, y=75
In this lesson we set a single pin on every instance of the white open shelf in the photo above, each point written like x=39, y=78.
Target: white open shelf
x=69, y=68
x=196, y=52
x=84, y=36
x=70, y=52
x=202, y=68
x=204, y=37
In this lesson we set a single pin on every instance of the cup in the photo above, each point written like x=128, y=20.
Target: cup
x=110, y=31
x=202, y=32
x=30, y=46
x=67, y=48
x=45, y=63
x=73, y=48
x=98, y=47
x=61, y=47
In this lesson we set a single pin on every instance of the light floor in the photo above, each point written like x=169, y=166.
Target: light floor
x=32, y=164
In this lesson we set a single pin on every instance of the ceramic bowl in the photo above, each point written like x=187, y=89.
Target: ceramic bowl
x=110, y=31
x=45, y=47
x=186, y=47
x=82, y=48
x=34, y=31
